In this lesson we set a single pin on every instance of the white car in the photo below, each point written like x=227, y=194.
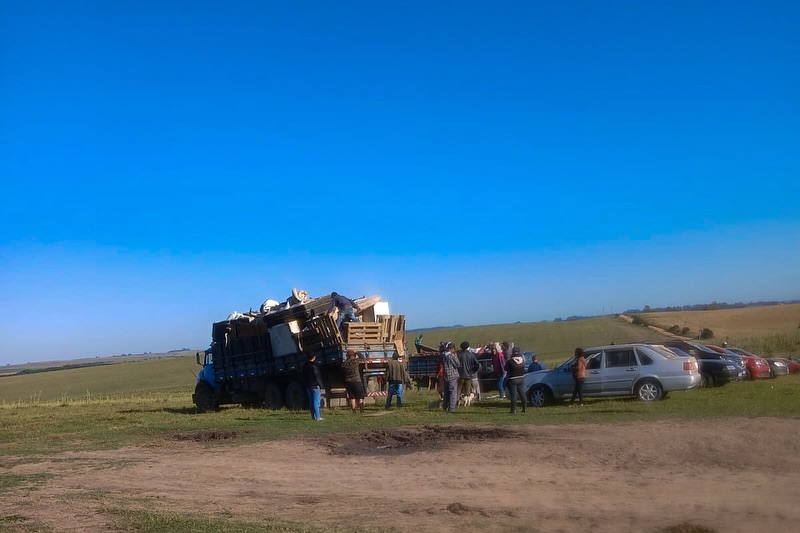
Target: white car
x=646, y=371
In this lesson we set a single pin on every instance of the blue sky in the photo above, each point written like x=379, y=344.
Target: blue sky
x=166, y=163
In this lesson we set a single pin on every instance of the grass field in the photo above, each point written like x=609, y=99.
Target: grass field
x=553, y=341
x=113, y=421
x=146, y=403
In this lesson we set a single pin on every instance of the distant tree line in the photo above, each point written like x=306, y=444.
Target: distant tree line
x=713, y=306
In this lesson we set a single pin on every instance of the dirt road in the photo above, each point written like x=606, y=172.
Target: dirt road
x=723, y=475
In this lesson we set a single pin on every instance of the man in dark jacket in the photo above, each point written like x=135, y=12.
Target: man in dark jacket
x=346, y=306
x=314, y=385
x=515, y=367
x=469, y=369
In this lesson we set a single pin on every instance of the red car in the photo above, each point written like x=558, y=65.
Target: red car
x=793, y=363
x=778, y=366
x=757, y=367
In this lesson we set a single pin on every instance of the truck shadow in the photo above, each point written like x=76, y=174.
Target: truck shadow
x=181, y=411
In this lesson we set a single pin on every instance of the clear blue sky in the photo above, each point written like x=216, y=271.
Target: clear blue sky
x=165, y=163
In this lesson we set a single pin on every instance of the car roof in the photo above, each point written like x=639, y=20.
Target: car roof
x=618, y=346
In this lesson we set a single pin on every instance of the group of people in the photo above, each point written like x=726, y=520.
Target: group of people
x=396, y=377
x=459, y=373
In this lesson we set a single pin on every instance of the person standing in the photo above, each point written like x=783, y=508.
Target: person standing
x=579, y=375
x=450, y=366
x=515, y=367
x=499, y=363
x=535, y=364
x=353, y=382
x=314, y=385
x=476, y=384
x=469, y=368
x=347, y=308
x=418, y=342
x=396, y=375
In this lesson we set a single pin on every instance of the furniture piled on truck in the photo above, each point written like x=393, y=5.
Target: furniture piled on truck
x=256, y=358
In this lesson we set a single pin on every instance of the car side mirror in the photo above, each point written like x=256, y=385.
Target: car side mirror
x=197, y=358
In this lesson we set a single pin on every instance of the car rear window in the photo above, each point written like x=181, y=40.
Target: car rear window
x=656, y=351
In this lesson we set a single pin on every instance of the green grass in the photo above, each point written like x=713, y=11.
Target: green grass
x=553, y=341
x=123, y=378
x=158, y=522
x=47, y=428
x=9, y=482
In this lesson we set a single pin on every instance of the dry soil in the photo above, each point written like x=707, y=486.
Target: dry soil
x=706, y=475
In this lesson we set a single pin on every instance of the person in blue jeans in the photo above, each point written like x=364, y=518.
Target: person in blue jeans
x=347, y=308
x=396, y=376
x=314, y=385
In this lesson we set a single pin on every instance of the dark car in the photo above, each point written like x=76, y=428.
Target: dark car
x=715, y=368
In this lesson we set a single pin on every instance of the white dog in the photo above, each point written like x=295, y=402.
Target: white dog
x=466, y=400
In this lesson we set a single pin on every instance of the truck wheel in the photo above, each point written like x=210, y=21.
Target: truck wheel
x=296, y=396
x=204, y=398
x=273, y=399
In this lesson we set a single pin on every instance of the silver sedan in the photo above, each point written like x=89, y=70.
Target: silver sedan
x=645, y=371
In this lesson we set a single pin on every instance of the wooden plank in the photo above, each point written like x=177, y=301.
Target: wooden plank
x=362, y=331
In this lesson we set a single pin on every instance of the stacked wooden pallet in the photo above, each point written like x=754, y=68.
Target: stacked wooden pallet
x=319, y=334
x=393, y=330
x=363, y=332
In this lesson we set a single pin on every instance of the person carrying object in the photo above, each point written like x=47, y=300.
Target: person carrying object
x=346, y=306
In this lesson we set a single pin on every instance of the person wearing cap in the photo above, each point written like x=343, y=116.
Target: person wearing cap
x=314, y=385
x=450, y=366
x=353, y=382
x=515, y=367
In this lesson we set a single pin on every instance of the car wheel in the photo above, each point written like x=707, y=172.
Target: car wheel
x=706, y=380
x=539, y=396
x=204, y=398
x=649, y=391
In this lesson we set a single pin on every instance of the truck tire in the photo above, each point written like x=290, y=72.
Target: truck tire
x=204, y=398
x=296, y=396
x=273, y=396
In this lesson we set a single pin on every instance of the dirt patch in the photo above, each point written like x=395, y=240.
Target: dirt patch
x=413, y=440
x=206, y=435
x=726, y=475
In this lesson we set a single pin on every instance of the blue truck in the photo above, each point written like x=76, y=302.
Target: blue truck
x=256, y=358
